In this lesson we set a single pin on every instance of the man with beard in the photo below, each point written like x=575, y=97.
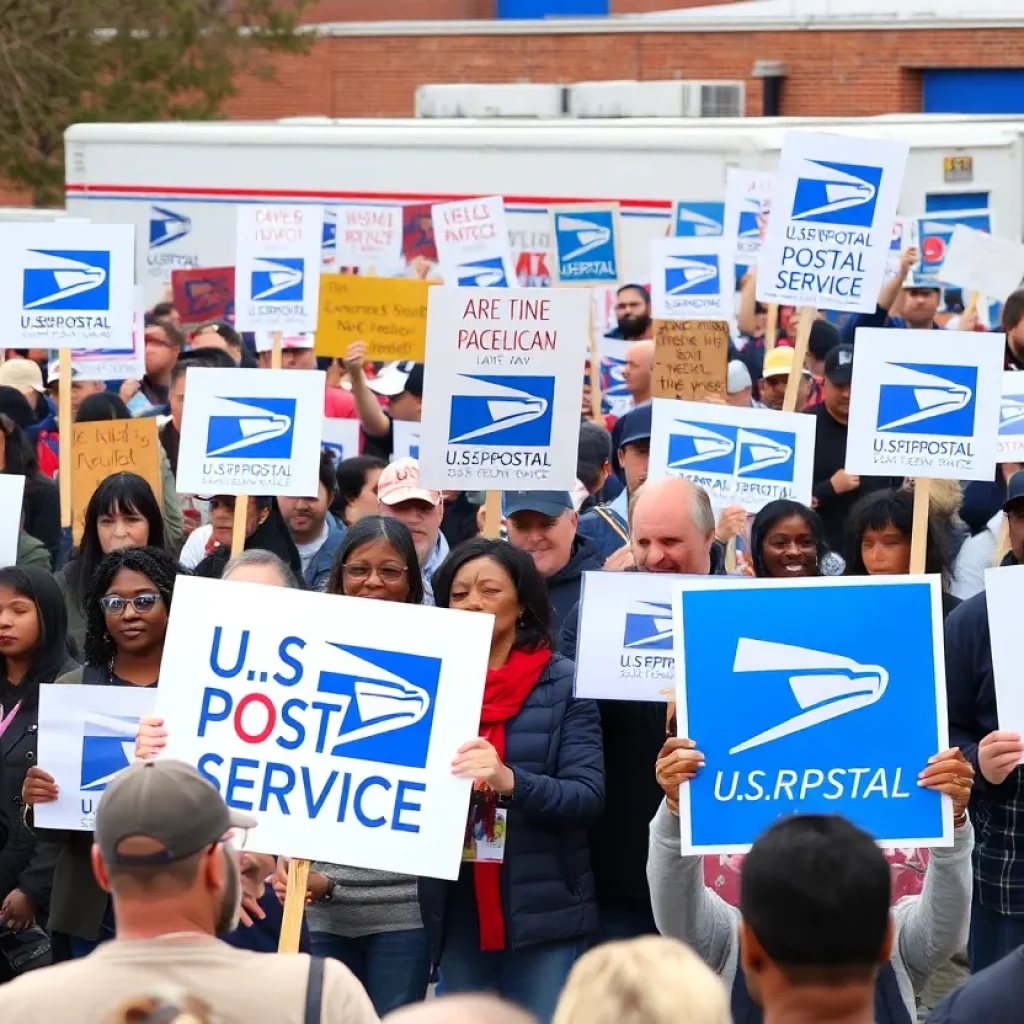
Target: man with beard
x=167, y=851
x=633, y=313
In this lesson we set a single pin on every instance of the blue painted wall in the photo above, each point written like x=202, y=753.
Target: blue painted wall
x=552, y=8
x=974, y=91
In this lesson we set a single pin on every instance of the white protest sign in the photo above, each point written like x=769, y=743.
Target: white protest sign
x=692, y=278
x=501, y=391
x=86, y=736
x=472, y=243
x=624, y=648
x=748, y=203
x=904, y=237
x=341, y=438
x=833, y=208
x=277, y=267
x=112, y=363
x=368, y=236
x=615, y=396
x=925, y=404
x=67, y=284
x=12, y=492
x=1004, y=597
x=1010, y=445
x=334, y=720
x=406, y=436
x=251, y=432
x=264, y=340
x=979, y=262
x=746, y=457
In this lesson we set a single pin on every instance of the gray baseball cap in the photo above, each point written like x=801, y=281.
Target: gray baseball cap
x=166, y=801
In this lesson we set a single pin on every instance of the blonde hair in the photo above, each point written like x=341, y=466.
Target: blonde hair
x=649, y=980
x=944, y=498
x=148, y=1009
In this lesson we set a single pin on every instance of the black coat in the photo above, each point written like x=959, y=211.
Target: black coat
x=553, y=747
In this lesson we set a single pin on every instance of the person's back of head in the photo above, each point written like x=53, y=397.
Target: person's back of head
x=463, y=1009
x=814, y=899
x=648, y=980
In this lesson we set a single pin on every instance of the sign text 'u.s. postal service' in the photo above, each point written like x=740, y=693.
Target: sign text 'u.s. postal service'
x=925, y=404
x=692, y=278
x=277, y=268
x=332, y=719
x=833, y=208
x=745, y=457
x=839, y=724
x=748, y=204
x=624, y=649
x=67, y=285
x=586, y=244
x=251, y=432
x=501, y=394
x=1010, y=445
x=86, y=737
x=472, y=243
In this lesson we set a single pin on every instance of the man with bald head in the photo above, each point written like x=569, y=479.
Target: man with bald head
x=480, y=1009
x=672, y=530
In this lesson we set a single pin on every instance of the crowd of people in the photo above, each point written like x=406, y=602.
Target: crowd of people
x=160, y=914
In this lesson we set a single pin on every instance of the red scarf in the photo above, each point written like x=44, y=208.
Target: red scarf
x=505, y=692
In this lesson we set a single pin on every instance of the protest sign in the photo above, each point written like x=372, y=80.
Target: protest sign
x=472, y=243
x=1004, y=598
x=840, y=727
x=1010, y=443
x=745, y=457
x=204, y=294
x=586, y=244
x=329, y=238
x=925, y=404
x=277, y=267
x=691, y=359
x=406, y=436
x=368, y=236
x=833, y=208
x=624, y=649
x=333, y=720
x=389, y=314
x=692, y=278
x=748, y=202
x=67, y=285
x=977, y=262
x=114, y=363
x=251, y=432
x=904, y=237
x=615, y=396
x=12, y=492
x=341, y=438
x=418, y=233
x=501, y=394
x=935, y=231
x=697, y=220
x=103, y=447
x=264, y=340
x=86, y=737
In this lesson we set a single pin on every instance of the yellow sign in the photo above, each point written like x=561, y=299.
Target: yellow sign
x=388, y=313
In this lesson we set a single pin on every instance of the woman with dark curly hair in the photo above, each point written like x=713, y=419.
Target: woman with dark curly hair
x=126, y=609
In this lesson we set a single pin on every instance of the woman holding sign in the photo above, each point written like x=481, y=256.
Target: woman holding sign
x=518, y=916
x=33, y=650
x=126, y=610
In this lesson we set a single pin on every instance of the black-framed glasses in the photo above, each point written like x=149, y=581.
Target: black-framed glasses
x=360, y=571
x=112, y=604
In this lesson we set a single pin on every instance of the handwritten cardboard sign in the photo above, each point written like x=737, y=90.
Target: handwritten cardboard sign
x=691, y=359
x=204, y=293
x=105, y=447
x=389, y=314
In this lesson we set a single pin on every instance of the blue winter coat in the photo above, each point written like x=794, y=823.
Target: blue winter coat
x=553, y=747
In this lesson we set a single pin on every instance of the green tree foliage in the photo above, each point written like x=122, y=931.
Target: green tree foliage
x=66, y=61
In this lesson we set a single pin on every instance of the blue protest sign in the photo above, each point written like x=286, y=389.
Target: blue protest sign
x=936, y=232
x=697, y=220
x=586, y=244
x=838, y=719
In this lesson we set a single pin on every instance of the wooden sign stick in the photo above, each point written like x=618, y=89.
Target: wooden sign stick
x=803, y=336
x=492, y=515
x=65, y=429
x=277, y=350
x=238, y=524
x=294, y=906
x=919, y=534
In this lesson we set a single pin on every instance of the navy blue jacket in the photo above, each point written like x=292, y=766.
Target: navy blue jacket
x=564, y=586
x=553, y=747
x=994, y=994
x=596, y=527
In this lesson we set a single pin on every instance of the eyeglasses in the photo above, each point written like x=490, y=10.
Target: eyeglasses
x=142, y=603
x=360, y=571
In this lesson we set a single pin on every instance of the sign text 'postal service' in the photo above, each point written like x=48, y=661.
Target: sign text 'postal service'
x=333, y=720
x=86, y=737
x=833, y=208
x=472, y=243
x=925, y=404
x=67, y=285
x=277, y=268
x=586, y=244
x=251, y=432
x=501, y=396
x=842, y=723
x=745, y=457
x=1010, y=445
x=748, y=204
x=692, y=278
